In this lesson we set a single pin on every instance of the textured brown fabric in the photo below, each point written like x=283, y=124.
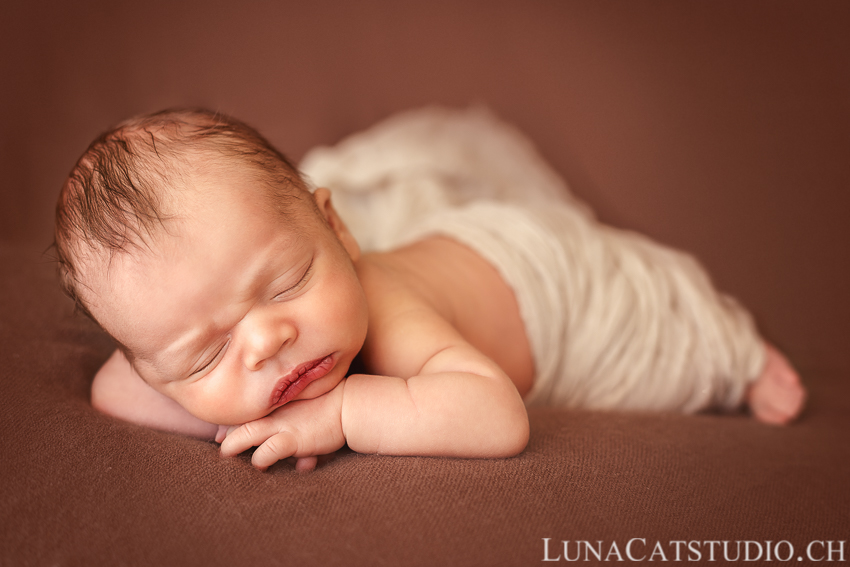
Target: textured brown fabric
x=719, y=127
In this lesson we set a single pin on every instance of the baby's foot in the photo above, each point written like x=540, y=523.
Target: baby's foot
x=777, y=395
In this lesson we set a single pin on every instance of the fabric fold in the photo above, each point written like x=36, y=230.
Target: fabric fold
x=615, y=320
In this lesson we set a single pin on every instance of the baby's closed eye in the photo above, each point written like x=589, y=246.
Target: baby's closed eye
x=208, y=364
x=298, y=285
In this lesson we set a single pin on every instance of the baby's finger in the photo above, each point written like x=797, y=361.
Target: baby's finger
x=274, y=448
x=243, y=437
x=306, y=464
x=222, y=432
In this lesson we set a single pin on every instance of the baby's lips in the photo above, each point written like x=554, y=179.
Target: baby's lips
x=221, y=433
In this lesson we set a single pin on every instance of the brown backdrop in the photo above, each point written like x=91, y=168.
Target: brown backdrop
x=722, y=128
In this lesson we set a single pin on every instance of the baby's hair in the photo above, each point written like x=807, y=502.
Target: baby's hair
x=113, y=198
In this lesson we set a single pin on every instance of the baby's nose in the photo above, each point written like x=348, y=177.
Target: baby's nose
x=263, y=337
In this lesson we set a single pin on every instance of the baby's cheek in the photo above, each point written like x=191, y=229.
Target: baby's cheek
x=206, y=402
x=358, y=309
x=344, y=306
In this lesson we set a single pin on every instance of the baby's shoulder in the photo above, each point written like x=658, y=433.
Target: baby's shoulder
x=397, y=296
x=407, y=324
x=404, y=279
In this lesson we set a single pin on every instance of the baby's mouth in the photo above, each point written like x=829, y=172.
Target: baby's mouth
x=293, y=383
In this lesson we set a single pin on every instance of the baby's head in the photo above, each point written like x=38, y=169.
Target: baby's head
x=199, y=248
x=123, y=189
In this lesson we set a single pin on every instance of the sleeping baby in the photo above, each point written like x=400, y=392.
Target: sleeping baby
x=451, y=282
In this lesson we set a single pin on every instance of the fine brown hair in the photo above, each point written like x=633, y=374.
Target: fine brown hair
x=113, y=198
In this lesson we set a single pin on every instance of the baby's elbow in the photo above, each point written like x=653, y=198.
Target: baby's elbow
x=109, y=388
x=104, y=398
x=519, y=440
x=111, y=393
x=513, y=434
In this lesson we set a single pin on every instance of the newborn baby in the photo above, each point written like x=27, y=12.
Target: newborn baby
x=239, y=300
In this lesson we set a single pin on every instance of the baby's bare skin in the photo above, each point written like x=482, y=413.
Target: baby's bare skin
x=435, y=275
x=231, y=302
x=446, y=345
x=240, y=298
x=777, y=396
x=463, y=289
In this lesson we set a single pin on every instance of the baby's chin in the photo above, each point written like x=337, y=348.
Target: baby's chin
x=230, y=418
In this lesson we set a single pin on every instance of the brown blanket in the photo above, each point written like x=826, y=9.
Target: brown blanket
x=719, y=127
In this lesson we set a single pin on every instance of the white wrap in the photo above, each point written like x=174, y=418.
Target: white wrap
x=614, y=320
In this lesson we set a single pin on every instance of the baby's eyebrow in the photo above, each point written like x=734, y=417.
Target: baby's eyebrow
x=190, y=340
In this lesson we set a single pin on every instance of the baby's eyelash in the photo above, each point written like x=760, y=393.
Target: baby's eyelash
x=211, y=360
x=295, y=287
x=300, y=283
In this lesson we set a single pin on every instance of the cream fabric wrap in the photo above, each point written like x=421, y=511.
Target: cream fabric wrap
x=614, y=319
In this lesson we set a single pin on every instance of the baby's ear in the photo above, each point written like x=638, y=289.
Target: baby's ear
x=323, y=201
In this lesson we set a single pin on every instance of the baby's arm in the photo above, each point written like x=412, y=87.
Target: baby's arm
x=456, y=402
x=459, y=405
x=119, y=391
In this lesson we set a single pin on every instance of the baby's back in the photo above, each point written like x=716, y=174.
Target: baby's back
x=446, y=278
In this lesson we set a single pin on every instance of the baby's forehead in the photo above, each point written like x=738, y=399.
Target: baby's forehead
x=139, y=293
x=104, y=272
x=191, y=221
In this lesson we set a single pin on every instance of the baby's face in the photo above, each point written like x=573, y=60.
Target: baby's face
x=236, y=312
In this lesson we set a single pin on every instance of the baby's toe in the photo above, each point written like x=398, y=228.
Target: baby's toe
x=794, y=399
x=778, y=395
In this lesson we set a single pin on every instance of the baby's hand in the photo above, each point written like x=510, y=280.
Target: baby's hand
x=304, y=429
